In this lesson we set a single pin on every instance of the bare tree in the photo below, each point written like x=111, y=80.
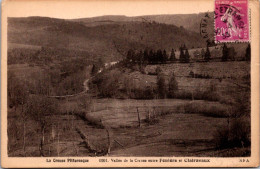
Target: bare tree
x=40, y=108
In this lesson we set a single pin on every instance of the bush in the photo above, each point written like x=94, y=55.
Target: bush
x=183, y=95
x=173, y=86
x=17, y=91
x=151, y=118
x=107, y=83
x=200, y=76
x=236, y=134
x=147, y=93
x=206, y=95
x=158, y=70
x=94, y=121
x=161, y=86
x=205, y=109
x=197, y=95
x=221, y=138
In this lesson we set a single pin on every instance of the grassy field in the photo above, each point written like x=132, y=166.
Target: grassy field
x=174, y=134
x=214, y=69
x=160, y=127
x=221, y=75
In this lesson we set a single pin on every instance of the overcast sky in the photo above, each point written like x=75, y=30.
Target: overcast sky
x=82, y=9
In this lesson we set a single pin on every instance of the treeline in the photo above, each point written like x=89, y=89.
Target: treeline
x=149, y=56
x=160, y=56
x=229, y=53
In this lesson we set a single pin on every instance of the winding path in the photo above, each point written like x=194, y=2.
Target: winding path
x=85, y=83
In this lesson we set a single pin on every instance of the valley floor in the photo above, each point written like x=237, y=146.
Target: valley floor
x=173, y=134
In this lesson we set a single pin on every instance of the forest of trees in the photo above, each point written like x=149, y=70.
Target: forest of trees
x=229, y=53
x=161, y=57
x=150, y=56
x=116, y=84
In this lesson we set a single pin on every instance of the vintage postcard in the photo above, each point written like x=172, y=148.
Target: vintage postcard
x=171, y=83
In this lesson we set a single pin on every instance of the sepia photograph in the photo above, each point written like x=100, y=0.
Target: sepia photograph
x=120, y=85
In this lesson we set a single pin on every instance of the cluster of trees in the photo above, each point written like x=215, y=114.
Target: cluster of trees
x=184, y=54
x=145, y=57
x=206, y=55
x=28, y=98
x=96, y=67
x=150, y=56
x=115, y=84
x=19, y=55
x=229, y=53
x=31, y=107
x=163, y=89
x=248, y=53
x=161, y=56
x=106, y=84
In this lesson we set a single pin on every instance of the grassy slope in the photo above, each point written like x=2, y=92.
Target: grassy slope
x=102, y=40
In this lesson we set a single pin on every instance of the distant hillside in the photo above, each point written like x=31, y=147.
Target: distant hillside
x=110, y=41
x=190, y=22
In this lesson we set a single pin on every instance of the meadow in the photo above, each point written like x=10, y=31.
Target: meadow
x=93, y=126
x=175, y=132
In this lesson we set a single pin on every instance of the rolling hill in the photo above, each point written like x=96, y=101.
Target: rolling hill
x=109, y=41
x=190, y=22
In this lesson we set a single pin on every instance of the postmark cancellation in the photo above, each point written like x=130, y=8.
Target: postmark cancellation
x=231, y=21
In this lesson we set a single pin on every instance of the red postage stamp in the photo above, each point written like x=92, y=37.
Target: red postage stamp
x=231, y=21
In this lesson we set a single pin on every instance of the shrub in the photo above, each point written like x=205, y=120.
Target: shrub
x=146, y=93
x=205, y=109
x=158, y=70
x=183, y=95
x=40, y=109
x=107, y=83
x=94, y=121
x=161, y=86
x=151, y=118
x=236, y=134
x=206, y=95
x=17, y=91
x=221, y=138
x=85, y=103
x=164, y=112
x=173, y=86
x=197, y=95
